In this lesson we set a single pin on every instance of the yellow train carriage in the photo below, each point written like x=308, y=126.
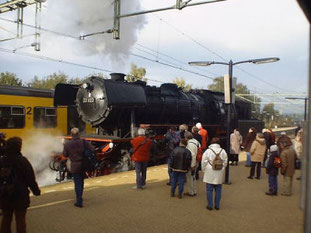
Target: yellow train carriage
x=27, y=111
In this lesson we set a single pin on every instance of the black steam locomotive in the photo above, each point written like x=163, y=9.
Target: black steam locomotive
x=116, y=108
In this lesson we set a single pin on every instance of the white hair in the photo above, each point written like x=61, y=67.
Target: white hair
x=74, y=131
x=141, y=132
x=198, y=125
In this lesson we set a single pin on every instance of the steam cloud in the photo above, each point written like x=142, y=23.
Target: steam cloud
x=80, y=17
x=38, y=148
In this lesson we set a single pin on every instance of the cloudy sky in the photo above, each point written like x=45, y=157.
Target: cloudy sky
x=165, y=42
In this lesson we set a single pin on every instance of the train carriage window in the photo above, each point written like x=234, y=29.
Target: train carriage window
x=45, y=117
x=12, y=117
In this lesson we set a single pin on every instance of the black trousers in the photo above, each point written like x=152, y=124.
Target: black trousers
x=254, y=164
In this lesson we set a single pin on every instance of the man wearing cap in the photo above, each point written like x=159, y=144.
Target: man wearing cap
x=141, y=149
x=272, y=170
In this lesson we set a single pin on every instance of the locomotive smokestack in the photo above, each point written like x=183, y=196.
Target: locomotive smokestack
x=117, y=77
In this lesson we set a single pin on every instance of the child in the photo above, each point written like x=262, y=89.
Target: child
x=273, y=170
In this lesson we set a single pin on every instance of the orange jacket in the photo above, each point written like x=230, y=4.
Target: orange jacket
x=204, y=135
x=142, y=153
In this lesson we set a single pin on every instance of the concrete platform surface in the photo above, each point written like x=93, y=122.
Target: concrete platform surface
x=112, y=206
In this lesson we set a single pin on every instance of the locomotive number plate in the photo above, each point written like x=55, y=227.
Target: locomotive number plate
x=88, y=100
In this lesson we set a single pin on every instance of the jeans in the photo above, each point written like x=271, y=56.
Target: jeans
x=141, y=170
x=78, y=179
x=248, y=159
x=178, y=178
x=20, y=218
x=209, y=194
x=254, y=164
x=273, y=184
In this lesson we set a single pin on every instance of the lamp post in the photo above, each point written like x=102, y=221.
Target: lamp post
x=228, y=93
x=301, y=98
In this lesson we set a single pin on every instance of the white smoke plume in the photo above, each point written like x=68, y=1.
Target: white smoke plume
x=80, y=17
x=38, y=148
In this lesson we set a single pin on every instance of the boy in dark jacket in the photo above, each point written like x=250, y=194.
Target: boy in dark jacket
x=180, y=164
x=18, y=200
x=273, y=170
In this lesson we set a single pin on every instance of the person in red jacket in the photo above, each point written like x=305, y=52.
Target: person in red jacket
x=141, y=149
x=204, y=135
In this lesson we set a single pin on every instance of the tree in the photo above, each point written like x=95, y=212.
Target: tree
x=218, y=85
x=136, y=74
x=48, y=82
x=182, y=84
x=10, y=79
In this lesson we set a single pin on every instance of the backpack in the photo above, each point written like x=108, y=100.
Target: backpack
x=89, y=162
x=277, y=162
x=217, y=163
x=8, y=179
x=199, y=152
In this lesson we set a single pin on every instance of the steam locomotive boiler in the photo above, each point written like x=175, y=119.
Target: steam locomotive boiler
x=114, y=105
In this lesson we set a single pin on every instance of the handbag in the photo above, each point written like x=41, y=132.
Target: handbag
x=297, y=163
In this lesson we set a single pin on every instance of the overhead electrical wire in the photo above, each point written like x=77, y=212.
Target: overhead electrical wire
x=218, y=55
x=142, y=57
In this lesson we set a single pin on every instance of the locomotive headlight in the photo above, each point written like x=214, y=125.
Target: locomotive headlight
x=110, y=145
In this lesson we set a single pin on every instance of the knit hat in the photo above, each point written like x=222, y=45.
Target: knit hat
x=273, y=148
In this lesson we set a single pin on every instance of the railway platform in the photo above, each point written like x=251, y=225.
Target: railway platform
x=112, y=206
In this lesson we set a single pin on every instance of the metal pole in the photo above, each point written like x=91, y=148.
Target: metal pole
x=132, y=123
x=229, y=122
x=306, y=178
x=167, y=8
x=116, y=23
x=305, y=117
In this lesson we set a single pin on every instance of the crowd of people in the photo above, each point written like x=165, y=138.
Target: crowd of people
x=188, y=152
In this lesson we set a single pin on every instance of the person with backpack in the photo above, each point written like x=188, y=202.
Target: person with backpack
x=214, y=162
x=193, y=146
x=180, y=164
x=74, y=149
x=2, y=144
x=141, y=150
x=17, y=176
x=272, y=169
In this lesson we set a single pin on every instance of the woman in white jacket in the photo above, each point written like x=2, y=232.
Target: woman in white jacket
x=213, y=178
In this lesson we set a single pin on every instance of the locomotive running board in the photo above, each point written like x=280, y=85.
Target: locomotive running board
x=65, y=94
